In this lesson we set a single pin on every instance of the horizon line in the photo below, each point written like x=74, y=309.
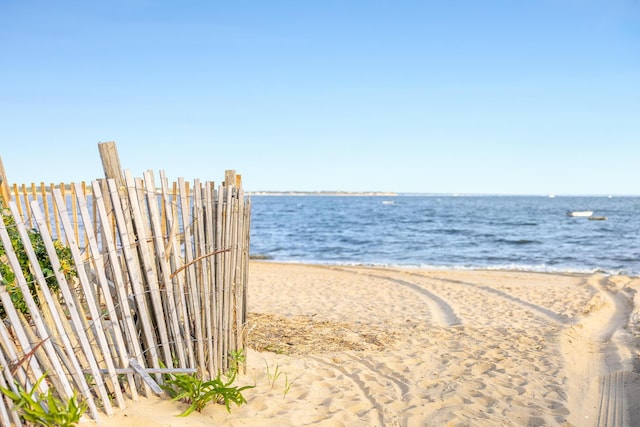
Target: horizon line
x=407, y=193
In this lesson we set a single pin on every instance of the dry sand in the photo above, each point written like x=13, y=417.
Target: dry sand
x=358, y=346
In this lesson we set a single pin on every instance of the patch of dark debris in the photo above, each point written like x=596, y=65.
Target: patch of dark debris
x=304, y=335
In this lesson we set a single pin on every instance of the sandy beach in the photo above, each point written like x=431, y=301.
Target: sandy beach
x=364, y=346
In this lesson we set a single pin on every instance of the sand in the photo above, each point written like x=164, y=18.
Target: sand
x=364, y=346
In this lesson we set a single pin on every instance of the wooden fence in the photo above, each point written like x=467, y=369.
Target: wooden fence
x=159, y=286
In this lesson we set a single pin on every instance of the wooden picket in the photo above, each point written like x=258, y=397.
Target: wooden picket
x=161, y=286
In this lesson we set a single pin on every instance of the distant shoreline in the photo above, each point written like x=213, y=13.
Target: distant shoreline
x=402, y=194
x=321, y=193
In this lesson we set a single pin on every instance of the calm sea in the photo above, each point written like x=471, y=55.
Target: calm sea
x=489, y=232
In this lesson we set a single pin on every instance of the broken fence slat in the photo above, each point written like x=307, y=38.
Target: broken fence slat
x=152, y=371
x=153, y=385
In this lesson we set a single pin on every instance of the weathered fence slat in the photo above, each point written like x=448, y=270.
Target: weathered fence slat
x=36, y=316
x=71, y=305
x=45, y=201
x=200, y=268
x=210, y=274
x=72, y=362
x=139, y=369
x=6, y=405
x=54, y=207
x=93, y=306
x=16, y=195
x=155, y=370
x=27, y=209
x=149, y=268
x=54, y=353
x=130, y=332
x=9, y=347
x=23, y=341
x=135, y=278
x=174, y=342
x=9, y=375
x=5, y=193
x=234, y=286
x=173, y=252
x=103, y=282
x=219, y=282
x=74, y=212
x=191, y=282
x=240, y=301
x=227, y=242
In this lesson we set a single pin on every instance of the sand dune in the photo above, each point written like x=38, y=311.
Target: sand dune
x=359, y=346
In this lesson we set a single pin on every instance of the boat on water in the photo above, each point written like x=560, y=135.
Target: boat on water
x=597, y=218
x=580, y=213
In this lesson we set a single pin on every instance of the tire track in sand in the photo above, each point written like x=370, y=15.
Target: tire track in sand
x=602, y=385
x=490, y=359
x=442, y=312
x=361, y=386
x=545, y=312
x=367, y=377
x=445, y=312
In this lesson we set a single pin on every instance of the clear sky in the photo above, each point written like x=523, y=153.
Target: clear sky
x=465, y=96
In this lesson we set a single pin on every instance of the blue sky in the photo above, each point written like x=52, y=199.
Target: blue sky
x=509, y=97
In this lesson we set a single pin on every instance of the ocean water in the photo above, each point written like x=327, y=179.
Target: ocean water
x=462, y=232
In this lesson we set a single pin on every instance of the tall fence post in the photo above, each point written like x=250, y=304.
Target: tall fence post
x=4, y=185
x=111, y=163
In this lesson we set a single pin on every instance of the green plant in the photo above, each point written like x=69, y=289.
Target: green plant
x=237, y=358
x=8, y=276
x=273, y=376
x=287, y=384
x=190, y=389
x=32, y=408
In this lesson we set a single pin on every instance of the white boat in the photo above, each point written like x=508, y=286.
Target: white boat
x=579, y=213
